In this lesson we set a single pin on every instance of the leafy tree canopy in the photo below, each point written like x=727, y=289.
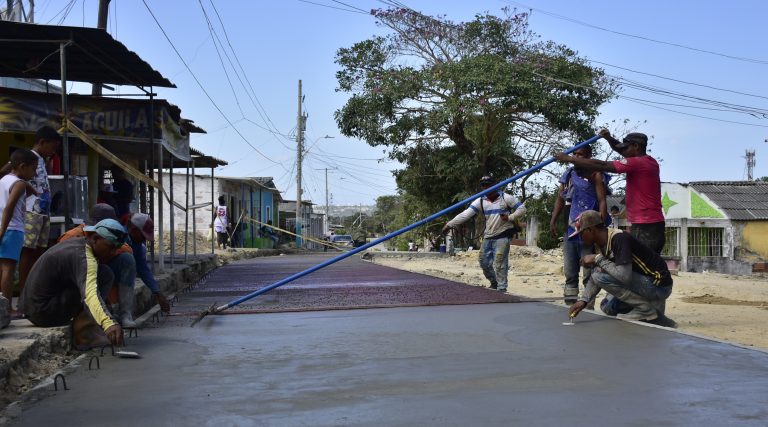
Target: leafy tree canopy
x=455, y=101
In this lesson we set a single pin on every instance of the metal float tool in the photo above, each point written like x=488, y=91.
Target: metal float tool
x=500, y=185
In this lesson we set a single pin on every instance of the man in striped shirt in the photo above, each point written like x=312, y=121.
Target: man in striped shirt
x=625, y=268
x=500, y=211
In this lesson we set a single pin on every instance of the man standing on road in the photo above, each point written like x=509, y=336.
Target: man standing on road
x=582, y=190
x=497, y=207
x=626, y=269
x=643, y=198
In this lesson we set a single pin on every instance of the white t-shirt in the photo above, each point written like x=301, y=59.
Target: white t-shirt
x=40, y=203
x=17, y=220
x=220, y=223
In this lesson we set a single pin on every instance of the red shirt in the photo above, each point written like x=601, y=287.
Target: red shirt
x=643, y=189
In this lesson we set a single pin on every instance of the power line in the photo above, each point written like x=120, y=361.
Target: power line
x=678, y=45
x=203, y=88
x=332, y=7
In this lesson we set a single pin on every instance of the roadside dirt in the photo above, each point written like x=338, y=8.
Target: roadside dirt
x=729, y=308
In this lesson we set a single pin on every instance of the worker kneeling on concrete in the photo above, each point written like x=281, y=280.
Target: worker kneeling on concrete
x=69, y=282
x=626, y=269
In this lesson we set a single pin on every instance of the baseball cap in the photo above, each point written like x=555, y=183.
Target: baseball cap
x=47, y=133
x=101, y=211
x=586, y=220
x=145, y=224
x=487, y=180
x=109, y=229
x=633, y=138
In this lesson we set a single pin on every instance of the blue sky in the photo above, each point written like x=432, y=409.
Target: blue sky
x=280, y=42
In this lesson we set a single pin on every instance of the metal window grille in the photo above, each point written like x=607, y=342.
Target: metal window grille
x=671, y=242
x=705, y=242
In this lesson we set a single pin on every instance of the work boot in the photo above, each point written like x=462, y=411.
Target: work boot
x=637, y=314
x=127, y=300
x=126, y=321
x=86, y=333
x=664, y=321
x=5, y=312
x=494, y=285
x=570, y=295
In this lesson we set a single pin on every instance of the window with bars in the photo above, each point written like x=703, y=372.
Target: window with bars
x=671, y=242
x=705, y=242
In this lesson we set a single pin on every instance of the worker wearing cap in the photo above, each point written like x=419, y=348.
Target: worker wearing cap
x=141, y=229
x=500, y=211
x=643, y=192
x=69, y=281
x=626, y=269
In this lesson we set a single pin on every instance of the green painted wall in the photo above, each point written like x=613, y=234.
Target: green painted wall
x=701, y=209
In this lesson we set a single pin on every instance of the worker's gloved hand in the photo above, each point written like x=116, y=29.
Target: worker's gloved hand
x=162, y=301
x=576, y=308
x=115, y=335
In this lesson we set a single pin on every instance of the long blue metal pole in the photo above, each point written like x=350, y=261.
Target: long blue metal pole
x=398, y=232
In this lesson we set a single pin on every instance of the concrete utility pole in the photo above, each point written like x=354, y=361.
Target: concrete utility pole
x=93, y=156
x=750, y=164
x=299, y=154
x=327, y=199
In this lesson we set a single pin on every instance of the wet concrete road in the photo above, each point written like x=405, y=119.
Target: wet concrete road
x=457, y=365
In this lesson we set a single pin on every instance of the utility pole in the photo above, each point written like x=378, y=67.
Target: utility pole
x=299, y=154
x=93, y=156
x=327, y=200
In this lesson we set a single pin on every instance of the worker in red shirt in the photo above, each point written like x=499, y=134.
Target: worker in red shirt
x=643, y=190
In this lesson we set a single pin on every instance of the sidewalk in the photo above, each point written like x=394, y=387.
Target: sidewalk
x=29, y=354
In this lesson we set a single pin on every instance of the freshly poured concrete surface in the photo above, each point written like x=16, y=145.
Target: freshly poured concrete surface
x=490, y=364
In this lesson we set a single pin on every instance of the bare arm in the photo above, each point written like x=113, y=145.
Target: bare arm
x=17, y=191
x=605, y=134
x=588, y=164
x=601, y=191
x=556, y=210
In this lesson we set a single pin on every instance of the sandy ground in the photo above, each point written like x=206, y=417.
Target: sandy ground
x=729, y=308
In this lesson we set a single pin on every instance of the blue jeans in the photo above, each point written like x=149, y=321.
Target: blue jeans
x=123, y=267
x=494, y=260
x=573, y=250
x=640, y=293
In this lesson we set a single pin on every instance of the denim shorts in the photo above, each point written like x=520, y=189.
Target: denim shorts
x=10, y=247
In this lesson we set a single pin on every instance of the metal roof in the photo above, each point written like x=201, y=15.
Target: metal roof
x=32, y=51
x=740, y=200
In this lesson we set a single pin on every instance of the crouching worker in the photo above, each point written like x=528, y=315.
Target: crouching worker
x=68, y=283
x=624, y=268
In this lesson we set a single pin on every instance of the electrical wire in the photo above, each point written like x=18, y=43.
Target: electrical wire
x=648, y=39
x=203, y=88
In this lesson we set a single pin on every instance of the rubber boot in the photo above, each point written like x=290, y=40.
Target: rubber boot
x=127, y=302
x=570, y=295
x=86, y=333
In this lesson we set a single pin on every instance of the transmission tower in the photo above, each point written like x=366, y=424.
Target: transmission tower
x=750, y=164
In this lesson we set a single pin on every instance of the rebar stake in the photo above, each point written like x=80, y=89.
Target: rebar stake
x=56, y=382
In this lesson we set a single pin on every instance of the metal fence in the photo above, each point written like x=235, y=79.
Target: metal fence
x=705, y=242
x=671, y=242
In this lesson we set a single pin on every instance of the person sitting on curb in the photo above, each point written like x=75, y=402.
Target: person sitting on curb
x=626, y=269
x=122, y=265
x=500, y=211
x=141, y=229
x=69, y=283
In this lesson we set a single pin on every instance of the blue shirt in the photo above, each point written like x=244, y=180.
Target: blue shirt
x=581, y=194
x=142, y=268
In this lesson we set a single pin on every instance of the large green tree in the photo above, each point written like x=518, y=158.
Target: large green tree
x=454, y=101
